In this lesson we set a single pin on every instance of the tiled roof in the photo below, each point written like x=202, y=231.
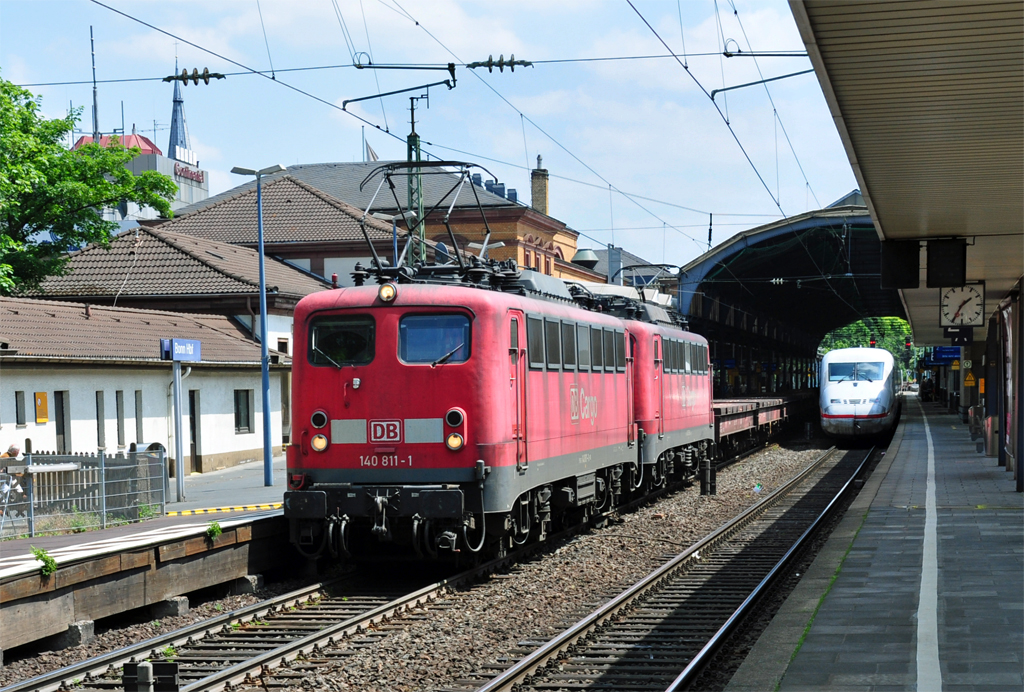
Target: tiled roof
x=292, y=212
x=341, y=181
x=128, y=141
x=44, y=328
x=159, y=263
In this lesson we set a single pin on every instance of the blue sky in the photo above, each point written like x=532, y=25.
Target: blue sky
x=642, y=126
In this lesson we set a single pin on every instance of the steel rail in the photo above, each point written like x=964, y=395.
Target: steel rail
x=697, y=664
x=50, y=682
x=546, y=653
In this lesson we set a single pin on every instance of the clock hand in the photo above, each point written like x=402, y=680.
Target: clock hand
x=957, y=313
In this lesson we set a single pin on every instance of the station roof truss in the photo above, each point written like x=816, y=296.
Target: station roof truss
x=928, y=100
x=793, y=280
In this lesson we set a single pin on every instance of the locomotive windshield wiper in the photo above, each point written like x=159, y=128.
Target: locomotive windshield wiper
x=444, y=359
x=333, y=362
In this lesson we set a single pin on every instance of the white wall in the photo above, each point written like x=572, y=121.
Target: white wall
x=344, y=266
x=278, y=327
x=216, y=401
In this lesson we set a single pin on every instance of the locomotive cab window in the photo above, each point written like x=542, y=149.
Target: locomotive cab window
x=434, y=339
x=535, y=341
x=335, y=341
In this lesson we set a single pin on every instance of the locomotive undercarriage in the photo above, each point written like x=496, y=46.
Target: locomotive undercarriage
x=446, y=521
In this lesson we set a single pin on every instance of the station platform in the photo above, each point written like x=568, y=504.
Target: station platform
x=230, y=494
x=920, y=586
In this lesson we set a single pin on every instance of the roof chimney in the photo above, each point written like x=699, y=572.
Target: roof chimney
x=539, y=187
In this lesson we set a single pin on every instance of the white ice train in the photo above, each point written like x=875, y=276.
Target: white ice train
x=859, y=395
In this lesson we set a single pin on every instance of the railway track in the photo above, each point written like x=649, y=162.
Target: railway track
x=272, y=643
x=661, y=632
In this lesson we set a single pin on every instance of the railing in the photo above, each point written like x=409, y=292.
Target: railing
x=58, y=493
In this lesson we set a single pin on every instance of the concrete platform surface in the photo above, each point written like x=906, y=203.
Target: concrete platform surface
x=237, y=486
x=920, y=587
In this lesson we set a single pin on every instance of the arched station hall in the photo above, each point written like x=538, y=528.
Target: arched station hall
x=920, y=586
x=766, y=297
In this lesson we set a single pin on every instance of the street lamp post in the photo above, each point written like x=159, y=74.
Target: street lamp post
x=268, y=456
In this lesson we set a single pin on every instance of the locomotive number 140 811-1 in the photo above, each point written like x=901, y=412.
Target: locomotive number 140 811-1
x=384, y=460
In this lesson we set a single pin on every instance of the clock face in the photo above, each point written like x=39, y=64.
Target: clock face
x=963, y=306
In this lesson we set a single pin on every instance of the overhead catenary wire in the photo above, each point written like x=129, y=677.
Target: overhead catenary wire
x=249, y=70
x=743, y=149
x=265, y=40
x=538, y=127
x=376, y=78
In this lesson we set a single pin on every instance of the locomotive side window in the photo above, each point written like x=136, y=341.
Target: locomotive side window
x=620, y=351
x=535, y=341
x=551, y=334
x=583, y=345
x=568, y=345
x=337, y=341
x=703, y=359
x=597, y=350
x=513, y=340
x=686, y=354
x=673, y=355
x=609, y=350
x=433, y=339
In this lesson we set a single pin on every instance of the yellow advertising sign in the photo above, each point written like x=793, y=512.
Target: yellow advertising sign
x=42, y=410
x=969, y=380
x=956, y=364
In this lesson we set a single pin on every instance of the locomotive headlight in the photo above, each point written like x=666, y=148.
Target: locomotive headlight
x=387, y=292
x=454, y=441
x=318, y=443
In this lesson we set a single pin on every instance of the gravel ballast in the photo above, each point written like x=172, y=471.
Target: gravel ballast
x=493, y=621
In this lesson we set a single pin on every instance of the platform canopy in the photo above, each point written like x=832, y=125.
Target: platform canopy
x=811, y=273
x=928, y=98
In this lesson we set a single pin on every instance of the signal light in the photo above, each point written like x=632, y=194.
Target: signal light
x=454, y=442
x=318, y=443
x=872, y=342
x=387, y=292
x=908, y=343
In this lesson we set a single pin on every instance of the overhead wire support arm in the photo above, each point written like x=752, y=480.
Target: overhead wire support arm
x=370, y=66
x=448, y=83
x=760, y=81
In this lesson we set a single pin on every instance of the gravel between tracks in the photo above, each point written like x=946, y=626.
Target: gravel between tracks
x=486, y=622
x=111, y=637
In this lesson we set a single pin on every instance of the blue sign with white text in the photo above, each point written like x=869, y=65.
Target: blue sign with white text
x=181, y=349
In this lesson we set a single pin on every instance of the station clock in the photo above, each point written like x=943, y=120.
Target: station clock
x=962, y=306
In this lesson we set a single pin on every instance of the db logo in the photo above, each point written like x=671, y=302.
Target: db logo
x=385, y=431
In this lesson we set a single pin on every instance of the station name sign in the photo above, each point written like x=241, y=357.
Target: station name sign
x=183, y=171
x=181, y=349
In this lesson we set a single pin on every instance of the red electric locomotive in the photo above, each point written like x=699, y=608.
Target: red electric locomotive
x=449, y=417
x=468, y=405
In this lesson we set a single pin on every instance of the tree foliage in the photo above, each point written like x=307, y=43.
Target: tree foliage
x=51, y=198
x=890, y=333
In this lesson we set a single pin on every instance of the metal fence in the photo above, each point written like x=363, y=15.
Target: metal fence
x=60, y=493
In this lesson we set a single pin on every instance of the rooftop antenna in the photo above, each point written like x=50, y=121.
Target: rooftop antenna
x=95, y=98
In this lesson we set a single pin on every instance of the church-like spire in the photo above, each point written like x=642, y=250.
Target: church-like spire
x=178, y=146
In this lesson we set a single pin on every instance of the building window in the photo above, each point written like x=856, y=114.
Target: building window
x=119, y=403
x=536, y=261
x=101, y=420
x=243, y=411
x=139, y=437
x=547, y=265
x=282, y=346
x=19, y=407
x=526, y=258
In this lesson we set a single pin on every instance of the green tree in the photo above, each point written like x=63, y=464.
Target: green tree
x=51, y=198
x=890, y=333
